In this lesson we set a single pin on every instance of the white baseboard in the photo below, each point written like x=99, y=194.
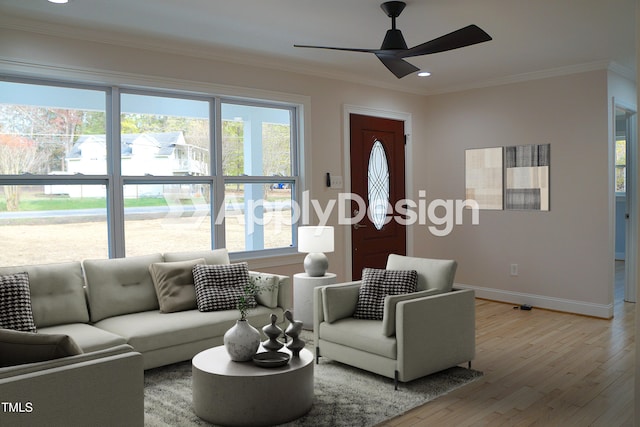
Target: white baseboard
x=604, y=311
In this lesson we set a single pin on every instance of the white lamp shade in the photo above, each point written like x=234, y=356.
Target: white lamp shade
x=315, y=239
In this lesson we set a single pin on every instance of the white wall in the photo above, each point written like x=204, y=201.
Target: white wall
x=565, y=256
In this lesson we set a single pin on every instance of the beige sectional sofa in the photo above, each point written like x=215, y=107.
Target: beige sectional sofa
x=111, y=306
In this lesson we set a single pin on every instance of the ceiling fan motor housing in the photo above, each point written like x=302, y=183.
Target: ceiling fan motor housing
x=393, y=40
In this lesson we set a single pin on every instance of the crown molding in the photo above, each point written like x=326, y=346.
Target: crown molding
x=538, y=75
x=623, y=71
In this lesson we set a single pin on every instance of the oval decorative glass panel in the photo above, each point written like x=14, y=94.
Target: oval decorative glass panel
x=378, y=182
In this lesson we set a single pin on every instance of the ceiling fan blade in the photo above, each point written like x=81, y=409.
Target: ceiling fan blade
x=398, y=66
x=469, y=35
x=337, y=48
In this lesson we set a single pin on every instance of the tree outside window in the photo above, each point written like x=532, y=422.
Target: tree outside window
x=621, y=165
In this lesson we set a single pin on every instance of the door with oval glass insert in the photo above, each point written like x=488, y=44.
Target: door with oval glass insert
x=378, y=178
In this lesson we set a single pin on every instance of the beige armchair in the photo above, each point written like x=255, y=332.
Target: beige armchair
x=420, y=333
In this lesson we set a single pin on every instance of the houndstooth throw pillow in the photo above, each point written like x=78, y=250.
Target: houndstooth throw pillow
x=377, y=284
x=219, y=287
x=15, y=303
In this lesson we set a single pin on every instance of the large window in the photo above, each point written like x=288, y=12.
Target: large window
x=91, y=172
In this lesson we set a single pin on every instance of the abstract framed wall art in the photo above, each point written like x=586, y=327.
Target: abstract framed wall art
x=484, y=177
x=526, y=169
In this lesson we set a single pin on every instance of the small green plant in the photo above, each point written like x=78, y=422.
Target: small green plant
x=252, y=289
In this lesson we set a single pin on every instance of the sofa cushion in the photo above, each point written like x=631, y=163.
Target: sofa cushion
x=377, y=284
x=57, y=292
x=152, y=330
x=268, y=285
x=120, y=285
x=17, y=347
x=216, y=256
x=432, y=273
x=219, y=287
x=15, y=303
x=88, y=337
x=174, y=284
x=362, y=334
x=339, y=301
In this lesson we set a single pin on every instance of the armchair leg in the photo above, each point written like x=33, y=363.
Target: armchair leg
x=395, y=380
x=317, y=355
x=469, y=364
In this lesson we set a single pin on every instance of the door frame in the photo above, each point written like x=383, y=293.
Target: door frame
x=408, y=169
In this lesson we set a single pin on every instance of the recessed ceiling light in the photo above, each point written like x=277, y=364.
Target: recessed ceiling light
x=424, y=74
x=59, y=1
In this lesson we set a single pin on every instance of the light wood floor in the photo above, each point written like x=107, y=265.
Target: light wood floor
x=542, y=368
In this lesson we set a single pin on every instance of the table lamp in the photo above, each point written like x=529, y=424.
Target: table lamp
x=315, y=240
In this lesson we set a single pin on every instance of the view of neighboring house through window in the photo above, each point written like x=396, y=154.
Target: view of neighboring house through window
x=167, y=140
x=47, y=212
x=70, y=189
x=257, y=166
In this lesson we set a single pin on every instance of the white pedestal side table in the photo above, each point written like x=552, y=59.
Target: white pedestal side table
x=303, y=286
x=243, y=394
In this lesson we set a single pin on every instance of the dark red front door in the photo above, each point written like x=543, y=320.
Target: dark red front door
x=378, y=178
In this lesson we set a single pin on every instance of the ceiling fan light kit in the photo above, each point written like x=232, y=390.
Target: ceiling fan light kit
x=394, y=48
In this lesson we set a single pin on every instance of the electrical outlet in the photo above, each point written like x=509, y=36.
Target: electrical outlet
x=514, y=269
x=336, y=181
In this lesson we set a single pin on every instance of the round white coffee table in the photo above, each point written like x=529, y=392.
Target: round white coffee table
x=243, y=394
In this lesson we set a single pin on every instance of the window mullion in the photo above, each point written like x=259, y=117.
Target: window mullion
x=115, y=197
x=218, y=227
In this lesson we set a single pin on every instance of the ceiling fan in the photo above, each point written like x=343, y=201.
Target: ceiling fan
x=394, y=48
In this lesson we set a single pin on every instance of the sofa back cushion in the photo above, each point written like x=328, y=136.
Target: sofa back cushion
x=120, y=286
x=17, y=348
x=57, y=292
x=215, y=257
x=338, y=301
x=174, y=284
x=432, y=273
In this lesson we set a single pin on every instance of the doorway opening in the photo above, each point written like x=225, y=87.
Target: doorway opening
x=625, y=204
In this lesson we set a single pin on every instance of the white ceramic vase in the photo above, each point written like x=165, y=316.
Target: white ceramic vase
x=242, y=341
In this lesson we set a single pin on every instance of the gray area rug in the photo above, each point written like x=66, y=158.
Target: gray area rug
x=344, y=396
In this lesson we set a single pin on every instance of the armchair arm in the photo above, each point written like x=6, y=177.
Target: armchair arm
x=435, y=333
x=99, y=388
x=389, y=309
